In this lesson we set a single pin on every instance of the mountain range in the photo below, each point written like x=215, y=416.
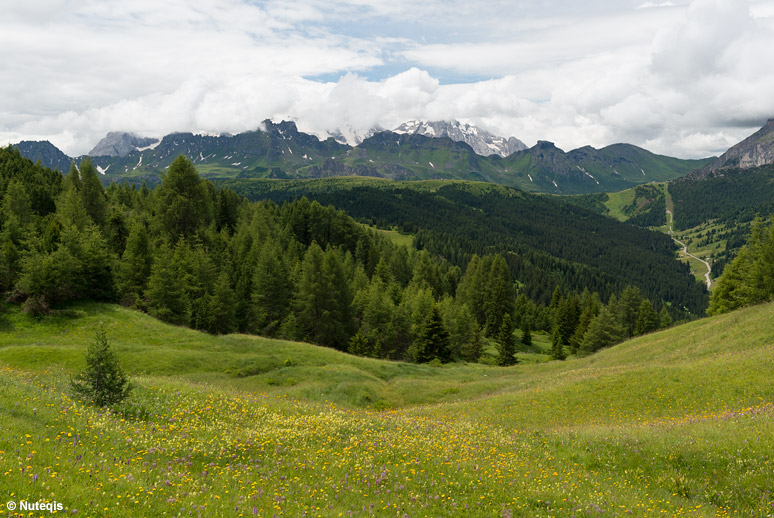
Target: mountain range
x=280, y=150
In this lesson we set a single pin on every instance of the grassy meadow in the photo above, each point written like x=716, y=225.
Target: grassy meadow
x=676, y=423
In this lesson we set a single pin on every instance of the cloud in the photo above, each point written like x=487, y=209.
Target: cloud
x=685, y=80
x=651, y=5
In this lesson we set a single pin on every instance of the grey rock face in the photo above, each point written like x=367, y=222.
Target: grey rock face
x=754, y=151
x=120, y=144
x=482, y=142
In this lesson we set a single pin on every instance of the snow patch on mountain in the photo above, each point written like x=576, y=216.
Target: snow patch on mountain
x=482, y=142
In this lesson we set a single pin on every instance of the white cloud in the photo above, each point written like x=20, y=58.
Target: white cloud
x=687, y=81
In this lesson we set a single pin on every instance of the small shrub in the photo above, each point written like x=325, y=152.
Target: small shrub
x=103, y=382
x=288, y=362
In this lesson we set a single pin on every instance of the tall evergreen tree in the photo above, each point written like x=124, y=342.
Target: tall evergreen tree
x=183, y=200
x=272, y=291
x=323, y=300
x=568, y=317
x=499, y=294
x=628, y=309
x=664, y=318
x=526, y=333
x=221, y=312
x=506, y=343
x=134, y=267
x=604, y=331
x=93, y=194
x=165, y=292
x=647, y=321
x=433, y=340
x=557, y=345
x=473, y=348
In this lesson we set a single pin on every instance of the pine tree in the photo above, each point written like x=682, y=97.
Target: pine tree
x=92, y=192
x=471, y=289
x=222, y=307
x=506, y=343
x=472, y=349
x=664, y=318
x=499, y=294
x=433, y=340
x=70, y=208
x=183, y=202
x=323, y=300
x=604, y=331
x=103, y=382
x=568, y=317
x=134, y=267
x=165, y=292
x=526, y=333
x=272, y=290
x=648, y=319
x=359, y=344
x=557, y=346
x=628, y=309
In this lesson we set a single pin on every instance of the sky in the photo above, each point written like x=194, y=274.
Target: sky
x=681, y=78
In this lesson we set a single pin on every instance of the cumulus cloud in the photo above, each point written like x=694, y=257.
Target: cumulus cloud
x=684, y=80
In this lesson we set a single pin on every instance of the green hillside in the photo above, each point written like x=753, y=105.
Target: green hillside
x=676, y=423
x=643, y=205
x=544, y=239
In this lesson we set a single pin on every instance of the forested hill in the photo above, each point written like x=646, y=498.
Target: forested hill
x=191, y=254
x=545, y=241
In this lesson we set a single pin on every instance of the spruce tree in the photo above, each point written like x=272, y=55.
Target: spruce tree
x=134, y=267
x=472, y=349
x=506, y=343
x=557, y=345
x=568, y=317
x=526, y=333
x=664, y=318
x=323, y=300
x=165, y=292
x=183, y=201
x=433, y=340
x=359, y=345
x=648, y=318
x=103, y=382
x=222, y=307
x=499, y=294
x=93, y=194
x=628, y=309
x=272, y=290
x=604, y=331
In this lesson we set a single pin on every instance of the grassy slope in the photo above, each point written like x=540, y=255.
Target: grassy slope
x=674, y=423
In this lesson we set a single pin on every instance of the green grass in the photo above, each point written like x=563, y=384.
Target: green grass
x=616, y=202
x=677, y=423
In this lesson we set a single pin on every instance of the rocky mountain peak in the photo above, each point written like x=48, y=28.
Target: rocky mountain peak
x=482, y=142
x=754, y=151
x=118, y=143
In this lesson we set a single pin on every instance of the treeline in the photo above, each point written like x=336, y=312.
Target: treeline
x=730, y=201
x=647, y=209
x=545, y=242
x=194, y=255
x=749, y=278
x=733, y=198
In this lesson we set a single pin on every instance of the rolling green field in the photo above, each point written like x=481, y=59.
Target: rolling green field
x=677, y=423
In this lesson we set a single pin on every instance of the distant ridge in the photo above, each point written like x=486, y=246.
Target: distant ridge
x=280, y=150
x=49, y=155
